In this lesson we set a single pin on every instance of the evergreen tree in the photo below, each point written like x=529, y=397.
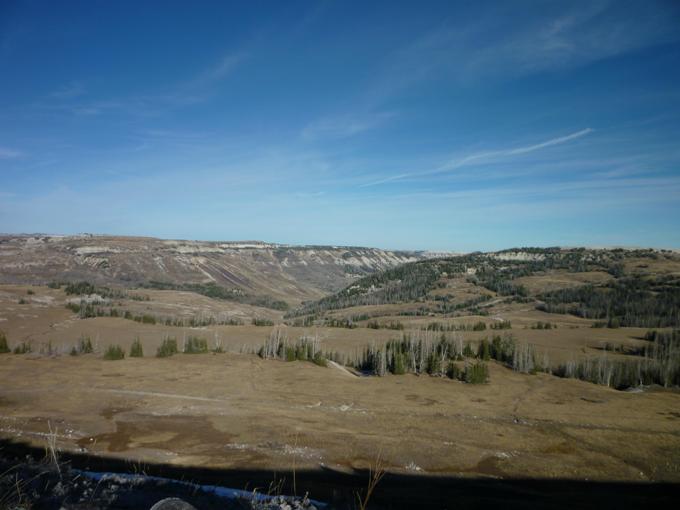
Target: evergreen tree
x=136, y=350
x=477, y=373
x=85, y=345
x=167, y=348
x=4, y=348
x=114, y=352
x=483, y=351
x=452, y=371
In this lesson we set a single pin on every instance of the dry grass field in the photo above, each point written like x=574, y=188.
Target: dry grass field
x=232, y=410
x=43, y=321
x=235, y=409
x=227, y=410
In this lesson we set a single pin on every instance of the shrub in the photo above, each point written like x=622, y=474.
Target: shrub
x=144, y=319
x=136, y=350
x=318, y=359
x=479, y=326
x=477, y=373
x=167, y=348
x=195, y=345
x=74, y=307
x=80, y=288
x=262, y=322
x=148, y=319
x=22, y=301
x=114, y=352
x=4, y=348
x=30, y=292
x=395, y=325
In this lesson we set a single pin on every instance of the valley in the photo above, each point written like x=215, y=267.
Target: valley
x=246, y=393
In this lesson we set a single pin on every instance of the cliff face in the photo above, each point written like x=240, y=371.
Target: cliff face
x=292, y=273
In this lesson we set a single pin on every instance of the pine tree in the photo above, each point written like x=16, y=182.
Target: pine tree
x=114, y=352
x=483, y=351
x=136, y=350
x=85, y=345
x=477, y=373
x=452, y=371
x=4, y=348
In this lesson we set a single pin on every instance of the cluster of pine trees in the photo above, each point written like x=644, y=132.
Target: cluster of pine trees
x=95, y=309
x=215, y=291
x=423, y=352
x=195, y=345
x=658, y=362
x=443, y=326
x=632, y=301
x=278, y=346
x=413, y=281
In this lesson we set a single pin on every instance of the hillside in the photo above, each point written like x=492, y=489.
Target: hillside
x=279, y=272
x=629, y=287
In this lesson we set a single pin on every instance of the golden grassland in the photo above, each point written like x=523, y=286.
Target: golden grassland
x=237, y=410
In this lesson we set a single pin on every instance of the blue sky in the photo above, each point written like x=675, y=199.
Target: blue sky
x=414, y=125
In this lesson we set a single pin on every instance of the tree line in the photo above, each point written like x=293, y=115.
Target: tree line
x=652, y=302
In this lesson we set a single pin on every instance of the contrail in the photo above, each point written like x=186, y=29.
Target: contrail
x=484, y=155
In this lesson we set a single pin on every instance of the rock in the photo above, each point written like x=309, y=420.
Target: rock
x=172, y=504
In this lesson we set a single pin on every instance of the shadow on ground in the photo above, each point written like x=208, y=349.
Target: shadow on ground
x=395, y=491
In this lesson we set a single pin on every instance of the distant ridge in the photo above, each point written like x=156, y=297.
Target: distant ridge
x=284, y=272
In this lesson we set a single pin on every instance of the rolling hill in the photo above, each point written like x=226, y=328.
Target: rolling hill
x=280, y=272
x=630, y=287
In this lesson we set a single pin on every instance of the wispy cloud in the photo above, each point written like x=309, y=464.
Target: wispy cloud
x=311, y=194
x=201, y=87
x=7, y=153
x=344, y=126
x=220, y=70
x=585, y=34
x=467, y=50
x=193, y=90
x=488, y=156
x=69, y=91
x=554, y=141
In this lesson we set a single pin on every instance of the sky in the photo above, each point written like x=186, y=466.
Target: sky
x=453, y=126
